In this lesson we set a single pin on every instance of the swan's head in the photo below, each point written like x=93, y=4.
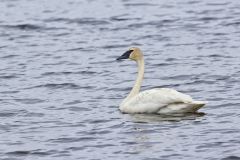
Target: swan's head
x=133, y=53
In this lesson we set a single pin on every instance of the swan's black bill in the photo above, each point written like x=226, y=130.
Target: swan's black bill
x=125, y=55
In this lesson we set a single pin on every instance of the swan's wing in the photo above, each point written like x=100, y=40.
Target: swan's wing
x=162, y=95
x=153, y=100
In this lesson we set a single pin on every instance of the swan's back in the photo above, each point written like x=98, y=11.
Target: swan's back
x=166, y=95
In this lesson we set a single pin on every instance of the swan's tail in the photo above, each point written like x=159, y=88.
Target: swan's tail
x=196, y=105
x=190, y=107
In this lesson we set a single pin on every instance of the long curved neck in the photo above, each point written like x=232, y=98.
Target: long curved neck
x=136, y=88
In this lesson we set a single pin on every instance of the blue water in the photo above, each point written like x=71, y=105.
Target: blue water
x=60, y=86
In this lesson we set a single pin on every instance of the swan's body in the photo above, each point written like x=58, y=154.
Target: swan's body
x=161, y=101
x=158, y=100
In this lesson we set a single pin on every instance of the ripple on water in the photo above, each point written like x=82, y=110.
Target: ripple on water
x=78, y=109
x=73, y=102
x=28, y=27
x=12, y=112
x=29, y=100
x=61, y=86
x=23, y=26
x=68, y=73
x=8, y=77
x=7, y=114
x=32, y=152
x=10, y=56
x=72, y=139
x=82, y=21
x=231, y=158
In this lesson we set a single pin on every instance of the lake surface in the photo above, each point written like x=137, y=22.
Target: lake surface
x=60, y=85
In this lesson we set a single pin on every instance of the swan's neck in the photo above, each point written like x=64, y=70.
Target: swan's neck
x=136, y=88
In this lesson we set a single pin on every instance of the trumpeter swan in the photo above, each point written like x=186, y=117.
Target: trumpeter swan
x=157, y=100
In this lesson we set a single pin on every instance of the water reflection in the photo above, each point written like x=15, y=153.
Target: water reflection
x=150, y=118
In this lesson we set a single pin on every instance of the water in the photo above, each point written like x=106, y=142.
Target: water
x=60, y=85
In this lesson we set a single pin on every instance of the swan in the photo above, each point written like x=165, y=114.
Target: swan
x=157, y=100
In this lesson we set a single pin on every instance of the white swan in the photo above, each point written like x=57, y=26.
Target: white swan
x=158, y=100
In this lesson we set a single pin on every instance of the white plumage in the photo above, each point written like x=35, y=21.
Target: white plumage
x=161, y=101
x=158, y=100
